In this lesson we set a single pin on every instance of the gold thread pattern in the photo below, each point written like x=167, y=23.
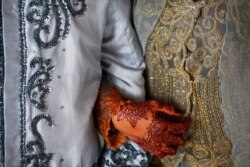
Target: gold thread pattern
x=146, y=13
x=235, y=78
x=182, y=56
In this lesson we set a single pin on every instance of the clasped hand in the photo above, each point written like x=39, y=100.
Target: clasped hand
x=157, y=128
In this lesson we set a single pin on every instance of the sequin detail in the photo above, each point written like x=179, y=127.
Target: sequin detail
x=2, y=66
x=133, y=113
x=182, y=57
x=38, y=83
x=40, y=14
x=33, y=153
x=37, y=91
x=22, y=96
x=40, y=159
x=126, y=156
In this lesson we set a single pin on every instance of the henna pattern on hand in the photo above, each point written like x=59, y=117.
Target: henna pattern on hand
x=133, y=113
x=162, y=136
x=108, y=102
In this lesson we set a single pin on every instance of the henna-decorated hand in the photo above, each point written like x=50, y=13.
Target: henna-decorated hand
x=155, y=127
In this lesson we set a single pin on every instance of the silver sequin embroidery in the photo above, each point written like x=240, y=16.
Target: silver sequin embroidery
x=38, y=83
x=38, y=158
x=42, y=12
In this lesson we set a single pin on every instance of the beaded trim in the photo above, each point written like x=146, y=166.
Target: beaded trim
x=2, y=71
x=22, y=97
x=40, y=13
x=127, y=156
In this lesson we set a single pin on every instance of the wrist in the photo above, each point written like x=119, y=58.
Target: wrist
x=108, y=103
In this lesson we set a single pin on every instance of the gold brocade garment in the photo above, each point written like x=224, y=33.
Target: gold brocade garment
x=182, y=56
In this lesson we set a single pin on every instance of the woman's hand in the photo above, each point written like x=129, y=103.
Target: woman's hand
x=157, y=128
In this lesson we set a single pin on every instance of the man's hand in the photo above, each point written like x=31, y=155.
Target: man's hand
x=155, y=127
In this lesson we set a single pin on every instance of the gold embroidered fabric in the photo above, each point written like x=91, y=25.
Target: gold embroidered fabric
x=182, y=56
x=146, y=13
x=235, y=80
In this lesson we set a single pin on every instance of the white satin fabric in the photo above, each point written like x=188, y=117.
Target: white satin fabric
x=103, y=38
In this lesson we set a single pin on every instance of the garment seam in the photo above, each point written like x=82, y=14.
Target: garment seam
x=2, y=80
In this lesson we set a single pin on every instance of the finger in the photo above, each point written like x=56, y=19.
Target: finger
x=169, y=111
x=179, y=128
x=167, y=150
x=175, y=140
x=162, y=115
x=173, y=150
x=178, y=132
x=187, y=122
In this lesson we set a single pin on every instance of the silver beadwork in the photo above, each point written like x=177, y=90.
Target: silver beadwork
x=22, y=96
x=40, y=159
x=37, y=91
x=41, y=11
x=38, y=83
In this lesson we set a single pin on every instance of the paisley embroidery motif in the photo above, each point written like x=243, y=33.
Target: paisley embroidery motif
x=45, y=15
x=126, y=156
x=40, y=159
x=37, y=84
x=43, y=12
x=37, y=90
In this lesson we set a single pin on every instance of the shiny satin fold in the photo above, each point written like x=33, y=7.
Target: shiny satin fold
x=103, y=38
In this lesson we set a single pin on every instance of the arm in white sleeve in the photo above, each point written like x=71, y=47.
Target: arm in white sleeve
x=123, y=64
x=122, y=58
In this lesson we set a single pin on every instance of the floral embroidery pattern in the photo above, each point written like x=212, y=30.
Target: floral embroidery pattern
x=126, y=156
x=182, y=56
x=37, y=84
x=42, y=12
x=40, y=159
x=132, y=113
x=37, y=90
